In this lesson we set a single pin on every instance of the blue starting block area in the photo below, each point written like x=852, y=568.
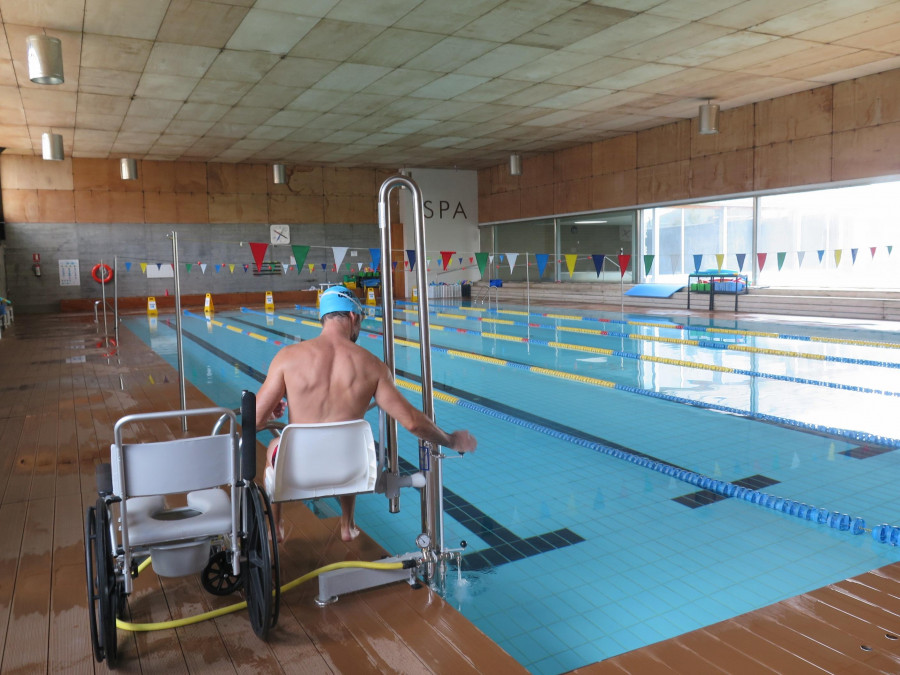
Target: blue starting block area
x=654, y=290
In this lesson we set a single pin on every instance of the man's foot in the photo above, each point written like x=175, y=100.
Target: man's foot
x=280, y=532
x=349, y=533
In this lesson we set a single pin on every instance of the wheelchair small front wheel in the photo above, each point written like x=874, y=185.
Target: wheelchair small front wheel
x=217, y=577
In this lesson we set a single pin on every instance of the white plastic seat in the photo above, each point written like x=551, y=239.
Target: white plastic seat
x=321, y=460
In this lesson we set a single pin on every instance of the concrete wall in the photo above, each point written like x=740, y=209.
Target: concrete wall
x=80, y=209
x=834, y=133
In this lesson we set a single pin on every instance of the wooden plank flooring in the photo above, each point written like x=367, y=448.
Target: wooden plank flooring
x=56, y=420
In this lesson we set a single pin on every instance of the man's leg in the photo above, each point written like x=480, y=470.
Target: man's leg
x=349, y=531
x=276, y=508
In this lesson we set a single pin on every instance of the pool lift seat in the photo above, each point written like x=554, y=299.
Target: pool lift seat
x=329, y=460
x=225, y=535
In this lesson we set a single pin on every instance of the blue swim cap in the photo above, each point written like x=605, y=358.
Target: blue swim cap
x=338, y=299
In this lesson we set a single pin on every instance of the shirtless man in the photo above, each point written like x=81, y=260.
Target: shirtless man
x=331, y=379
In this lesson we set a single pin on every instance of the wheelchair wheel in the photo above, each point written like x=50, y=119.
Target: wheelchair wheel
x=259, y=570
x=217, y=577
x=104, y=592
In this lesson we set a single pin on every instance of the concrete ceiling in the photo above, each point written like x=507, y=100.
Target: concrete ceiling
x=390, y=83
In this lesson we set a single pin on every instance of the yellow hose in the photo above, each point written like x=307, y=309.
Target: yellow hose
x=205, y=616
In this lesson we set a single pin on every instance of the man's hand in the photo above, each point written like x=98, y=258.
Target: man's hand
x=462, y=441
x=279, y=409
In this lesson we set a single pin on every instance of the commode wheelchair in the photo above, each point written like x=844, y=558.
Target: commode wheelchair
x=225, y=535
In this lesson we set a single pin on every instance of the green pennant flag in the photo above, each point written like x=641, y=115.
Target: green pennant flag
x=648, y=262
x=300, y=253
x=482, y=259
x=188, y=266
x=781, y=257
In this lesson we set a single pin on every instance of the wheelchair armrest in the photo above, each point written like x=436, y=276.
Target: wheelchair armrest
x=104, y=479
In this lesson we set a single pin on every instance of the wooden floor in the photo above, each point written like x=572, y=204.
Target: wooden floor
x=59, y=399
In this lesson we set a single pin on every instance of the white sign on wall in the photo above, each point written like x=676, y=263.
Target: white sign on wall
x=160, y=271
x=68, y=273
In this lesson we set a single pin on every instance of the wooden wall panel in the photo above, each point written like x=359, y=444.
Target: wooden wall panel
x=725, y=173
x=614, y=190
x=664, y=144
x=239, y=178
x=21, y=206
x=502, y=180
x=301, y=180
x=33, y=173
x=802, y=162
x=572, y=196
x=157, y=176
x=572, y=164
x=614, y=155
x=736, y=131
x=347, y=181
x=867, y=101
x=106, y=206
x=866, y=152
x=190, y=177
x=56, y=206
x=159, y=207
x=800, y=115
x=296, y=209
x=663, y=182
x=351, y=209
x=536, y=170
x=506, y=205
x=536, y=201
x=237, y=208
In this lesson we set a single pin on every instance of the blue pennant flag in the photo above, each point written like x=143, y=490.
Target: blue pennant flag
x=376, y=257
x=740, y=258
x=698, y=260
x=541, y=259
x=411, y=256
x=598, y=262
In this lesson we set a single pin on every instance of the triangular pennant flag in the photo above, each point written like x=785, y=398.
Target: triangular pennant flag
x=570, y=262
x=159, y=266
x=203, y=267
x=761, y=260
x=837, y=257
x=482, y=258
x=231, y=268
x=376, y=257
x=648, y=263
x=598, y=259
x=491, y=258
x=334, y=268
x=890, y=249
x=339, y=253
x=144, y=268
x=300, y=253
x=698, y=260
x=284, y=266
x=128, y=267
x=624, y=259
x=259, y=253
x=740, y=260
x=853, y=252
x=471, y=260
x=720, y=258
x=820, y=253
x=460, y=260
x=674, y=261
x=511, y=257
x=324, y=266
x=411, y=257
x=394, y=265
x=872, y=249
x=781, y=256
x=501, y=258
x=187, y=266
x=312, y=267
x=246, y=268
x=541, y=259
x=445, y=258
x=218, y=267
x=359, y=267
x=800, y=256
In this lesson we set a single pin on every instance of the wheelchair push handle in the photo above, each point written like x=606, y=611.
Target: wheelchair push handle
x=248, y=435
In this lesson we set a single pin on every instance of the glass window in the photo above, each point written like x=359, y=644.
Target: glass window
x=521, y=238
x=606, y=234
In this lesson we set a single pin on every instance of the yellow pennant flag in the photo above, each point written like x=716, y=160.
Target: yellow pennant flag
x=311, y=266
x=231, y=267
x=837, y=257
x=144, y=268
x=720, y=258
x=570, y=262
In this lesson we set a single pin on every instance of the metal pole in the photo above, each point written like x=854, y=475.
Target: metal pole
x=116, y=298
x=527, y=287
x=178, y=337
x=103, y=296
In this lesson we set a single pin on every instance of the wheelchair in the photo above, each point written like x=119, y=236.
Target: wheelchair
x=225, y=535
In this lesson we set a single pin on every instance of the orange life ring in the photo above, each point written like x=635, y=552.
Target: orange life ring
x=111, y=345
x=105, y=277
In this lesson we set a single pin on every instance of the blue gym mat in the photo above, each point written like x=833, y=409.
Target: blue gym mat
x=654, y=290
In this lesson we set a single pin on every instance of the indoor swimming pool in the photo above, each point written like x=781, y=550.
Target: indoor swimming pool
x=637, y=476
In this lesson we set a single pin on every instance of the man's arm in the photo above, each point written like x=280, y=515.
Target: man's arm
x=389, y=399
x=270, y=394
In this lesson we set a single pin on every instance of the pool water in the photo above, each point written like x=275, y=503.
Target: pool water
x=596, y=509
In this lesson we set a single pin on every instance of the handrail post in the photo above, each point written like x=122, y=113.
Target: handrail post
x=432, y=495
x=179, y=344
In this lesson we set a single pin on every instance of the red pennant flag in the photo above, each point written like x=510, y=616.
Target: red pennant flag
x=624, y=259
x=761, y=260
x=872, y=249
x=445, y=258
x=259, y=253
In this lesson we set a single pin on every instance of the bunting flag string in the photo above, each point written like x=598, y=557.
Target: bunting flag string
x=570, y=262
x=598, y=259
x=128, y=267
x=541, y=259
x=648, y=263
x=258, y=249
x=143, y=268
x=203, y=268
x=231, y=267
x=187, y=267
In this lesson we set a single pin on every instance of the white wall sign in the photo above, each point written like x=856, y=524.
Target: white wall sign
x=68, y=273
x=163, y=271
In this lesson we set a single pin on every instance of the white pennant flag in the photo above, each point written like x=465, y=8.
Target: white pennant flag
x=491, y=259
x=511, y=258
x=359, y=267
x=285, y=266
x=800, y=255
x=339, y=253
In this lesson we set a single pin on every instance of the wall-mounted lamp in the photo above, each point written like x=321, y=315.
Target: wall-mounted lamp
x=278, y=174
x=45, y=64
x=52, y=145
x=515, y=164
x=709, y=118
x=128, y=168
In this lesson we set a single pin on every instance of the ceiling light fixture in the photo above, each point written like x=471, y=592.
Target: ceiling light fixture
x=515, y=164
x=128, y=168
x=709, y=118
x=589, y=222
x=52, y=145
x=278, y=174
x=45, y=64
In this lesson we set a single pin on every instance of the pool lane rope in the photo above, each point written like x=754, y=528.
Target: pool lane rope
x=222, y=611
x=842, y=522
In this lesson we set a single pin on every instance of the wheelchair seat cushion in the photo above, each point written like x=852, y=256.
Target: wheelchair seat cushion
x=208, y=513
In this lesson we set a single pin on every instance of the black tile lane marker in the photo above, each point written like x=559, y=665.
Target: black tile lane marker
x=504, y=545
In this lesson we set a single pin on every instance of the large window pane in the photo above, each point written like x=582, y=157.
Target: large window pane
x=521, y=238
x=606, y=234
